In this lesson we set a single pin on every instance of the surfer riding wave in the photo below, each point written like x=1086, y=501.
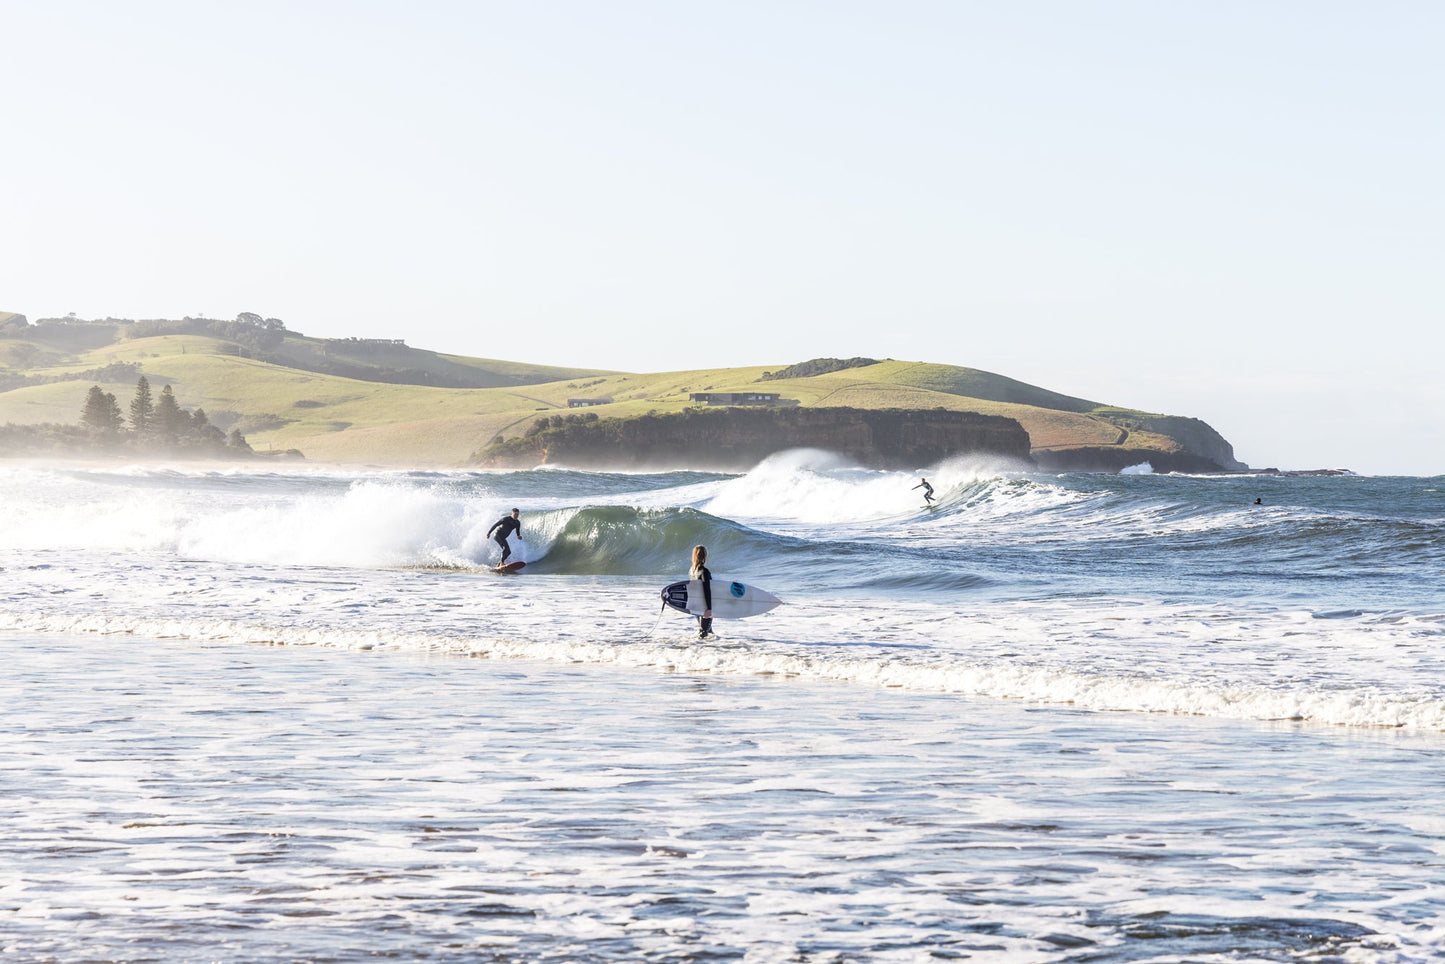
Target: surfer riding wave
x=501, y=529
x=927, y=491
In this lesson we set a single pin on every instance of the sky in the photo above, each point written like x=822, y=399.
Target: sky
x=1227, y=210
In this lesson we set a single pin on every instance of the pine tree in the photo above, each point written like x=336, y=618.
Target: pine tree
x=101, y=411
x=142, y=409
x=204, y=432
x=115, y=420
x=169, y=419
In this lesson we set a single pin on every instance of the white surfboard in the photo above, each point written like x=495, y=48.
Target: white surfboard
x=730, y=600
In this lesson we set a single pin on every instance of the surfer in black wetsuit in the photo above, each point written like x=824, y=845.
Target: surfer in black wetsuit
x=504, y=527
x=702, y=574
x=927, y=491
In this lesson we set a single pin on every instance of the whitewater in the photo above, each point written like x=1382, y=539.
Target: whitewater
x=291, y=714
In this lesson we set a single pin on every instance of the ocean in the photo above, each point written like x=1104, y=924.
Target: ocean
x=288, y=713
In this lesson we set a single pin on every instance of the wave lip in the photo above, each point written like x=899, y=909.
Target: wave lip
x=629, y=540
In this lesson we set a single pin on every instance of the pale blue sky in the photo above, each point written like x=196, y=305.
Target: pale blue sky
x=1226, y=210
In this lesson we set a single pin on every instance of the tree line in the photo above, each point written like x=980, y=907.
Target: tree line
x=155, y=422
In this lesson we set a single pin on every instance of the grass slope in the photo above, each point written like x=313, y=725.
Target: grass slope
x=371, y=361
x=333, y=417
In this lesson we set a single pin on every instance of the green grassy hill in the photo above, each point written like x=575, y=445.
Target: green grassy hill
x=345, y=400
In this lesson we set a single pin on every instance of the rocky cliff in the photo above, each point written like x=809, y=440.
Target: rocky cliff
x=1186, y=445
x=735, y=439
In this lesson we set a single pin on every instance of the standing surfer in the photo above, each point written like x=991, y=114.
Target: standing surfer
x=927, y=491
x=702, y=574
x=502, y=528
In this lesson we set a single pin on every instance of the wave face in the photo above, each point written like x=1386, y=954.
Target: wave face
x=1135, y=592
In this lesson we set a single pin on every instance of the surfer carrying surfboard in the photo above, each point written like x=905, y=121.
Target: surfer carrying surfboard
x=502, y=528
x=702, y=574
x=927, y=491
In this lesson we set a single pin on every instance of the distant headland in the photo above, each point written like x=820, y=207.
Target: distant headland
x=735, y=439
x=385, y=403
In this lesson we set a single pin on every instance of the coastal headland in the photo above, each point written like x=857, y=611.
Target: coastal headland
x=737, y=438
x=382, y=402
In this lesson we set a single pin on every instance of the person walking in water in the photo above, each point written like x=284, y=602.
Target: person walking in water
x=702, y=574
x=927, y=491
x=502, y=528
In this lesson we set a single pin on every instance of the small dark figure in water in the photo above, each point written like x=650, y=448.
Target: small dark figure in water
x=502, y=528
x=1259, y=502
x=927, y=491
x=702, y=574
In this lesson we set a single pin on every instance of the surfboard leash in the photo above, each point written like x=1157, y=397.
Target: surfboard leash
x=662, y=612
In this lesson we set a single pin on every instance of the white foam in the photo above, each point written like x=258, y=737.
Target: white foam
x=177, y=798
x=820, y=488
x=1157, y=660
x=369, y=523
x=352, y=563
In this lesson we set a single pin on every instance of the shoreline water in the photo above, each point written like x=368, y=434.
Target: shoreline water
x=1021, y=656
x=278, y=716
x=301, y=802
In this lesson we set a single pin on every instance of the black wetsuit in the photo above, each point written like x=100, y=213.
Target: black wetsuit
x=504, y=527
x=704, y=623
x=927, y=491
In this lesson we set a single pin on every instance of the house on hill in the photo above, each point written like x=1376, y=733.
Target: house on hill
x=587, y=402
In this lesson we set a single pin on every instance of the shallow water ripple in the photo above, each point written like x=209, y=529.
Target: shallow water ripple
x=181, y=800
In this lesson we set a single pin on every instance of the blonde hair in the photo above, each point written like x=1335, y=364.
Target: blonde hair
x=699, y=556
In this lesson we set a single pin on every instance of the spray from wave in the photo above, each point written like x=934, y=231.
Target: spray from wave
x=815, y=487
x=367, y=524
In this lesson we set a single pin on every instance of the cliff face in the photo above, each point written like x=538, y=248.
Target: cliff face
x=1200, y=438
x=736, y=439
x=1191, y=445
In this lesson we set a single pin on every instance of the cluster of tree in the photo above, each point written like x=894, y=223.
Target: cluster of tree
x=558, y=422
x=530, y=443
x=249, y=332
x=156, y=423
x=817, y=366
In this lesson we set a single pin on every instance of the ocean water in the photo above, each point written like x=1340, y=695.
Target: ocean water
x=291, y=715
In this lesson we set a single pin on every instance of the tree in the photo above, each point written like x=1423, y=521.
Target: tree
x=204, y=433
x=164, y=425
x=101, y=411
x=170, y=421
x=142, y=409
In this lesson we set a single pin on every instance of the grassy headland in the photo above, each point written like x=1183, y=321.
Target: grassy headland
x=384, y=403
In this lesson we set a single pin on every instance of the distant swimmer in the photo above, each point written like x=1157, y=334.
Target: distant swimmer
x=927, y=491
x=502, y=528
x=1259, y=502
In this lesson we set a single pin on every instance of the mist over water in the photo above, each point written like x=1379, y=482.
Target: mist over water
x=1030, y=712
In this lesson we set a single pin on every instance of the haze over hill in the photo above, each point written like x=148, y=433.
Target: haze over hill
x=384, y=402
